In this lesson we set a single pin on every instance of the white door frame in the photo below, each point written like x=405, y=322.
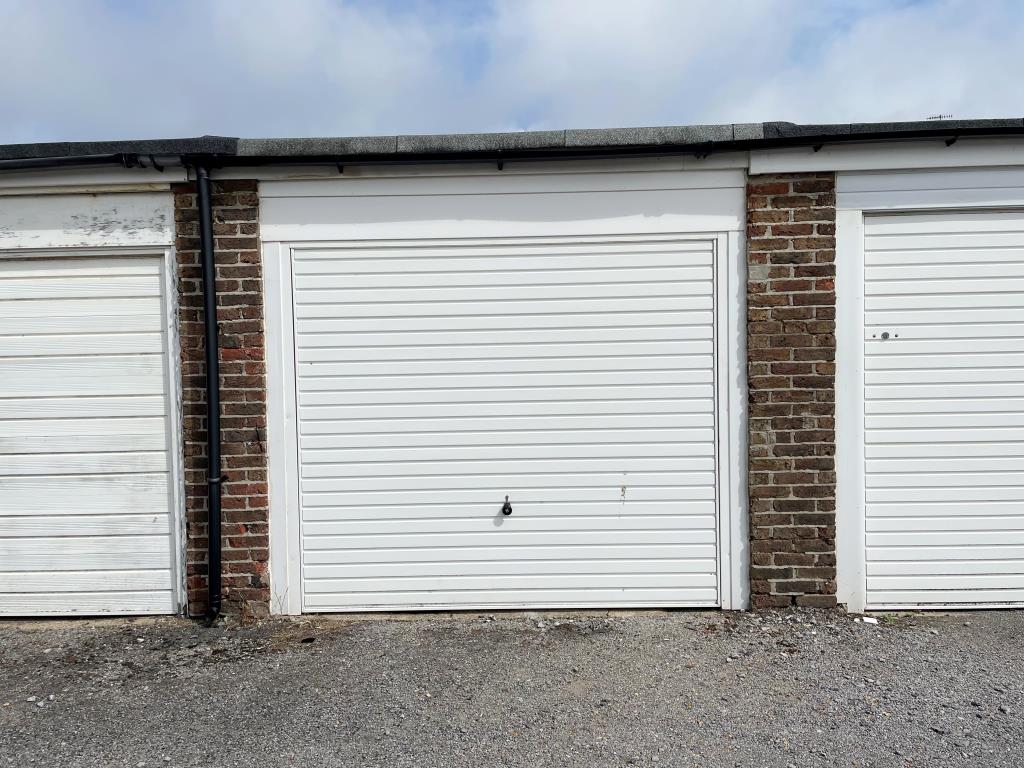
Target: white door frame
x=172, y=376
x=851, y=585
x=282, y=432
x=731, y=420
x=859, y=194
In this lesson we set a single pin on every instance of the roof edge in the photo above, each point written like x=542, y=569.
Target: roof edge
x=700, y=139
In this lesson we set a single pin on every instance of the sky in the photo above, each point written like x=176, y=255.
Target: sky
x=130, y=69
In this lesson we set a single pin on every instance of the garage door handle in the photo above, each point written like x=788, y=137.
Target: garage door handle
x=506, y=508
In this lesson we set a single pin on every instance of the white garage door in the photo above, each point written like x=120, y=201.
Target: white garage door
x=85, y=497
x=574, y=376
x=944, y=413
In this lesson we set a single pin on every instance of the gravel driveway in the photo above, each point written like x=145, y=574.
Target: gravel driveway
x=801, y=688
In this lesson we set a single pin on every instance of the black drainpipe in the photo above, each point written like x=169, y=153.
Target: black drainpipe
x=213, y=469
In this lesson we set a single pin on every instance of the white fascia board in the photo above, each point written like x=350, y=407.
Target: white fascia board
x=931, y=188
x=135, y=219
x=890, y=155
x=88, y=179
x=285, y=172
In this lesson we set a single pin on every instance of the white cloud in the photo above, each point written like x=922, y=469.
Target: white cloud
x=91, y=69
x=952, y=57
x=641, y=62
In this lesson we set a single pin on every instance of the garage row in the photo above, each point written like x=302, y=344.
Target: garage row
x=786, y=377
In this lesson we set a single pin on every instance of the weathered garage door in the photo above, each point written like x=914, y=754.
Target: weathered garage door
x=85, y=493
x=944, y=409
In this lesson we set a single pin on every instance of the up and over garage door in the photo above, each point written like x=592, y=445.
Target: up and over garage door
x=944, y=409
x=88, y=422
x=556, y=348
x=86, y=487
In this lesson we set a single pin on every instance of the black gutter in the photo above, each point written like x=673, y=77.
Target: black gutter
x=124, y=160
x=213, y=467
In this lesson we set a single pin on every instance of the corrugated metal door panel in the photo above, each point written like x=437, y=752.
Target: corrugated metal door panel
x=944, y=409
x=575, y=377
x=85, y=510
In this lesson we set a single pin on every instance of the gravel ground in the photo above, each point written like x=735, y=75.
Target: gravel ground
x=800, y=688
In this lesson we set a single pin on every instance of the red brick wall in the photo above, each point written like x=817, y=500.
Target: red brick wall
x=791, y=369
x=246, y=587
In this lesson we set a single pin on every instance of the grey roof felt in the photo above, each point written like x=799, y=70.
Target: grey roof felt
x=703, y=138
